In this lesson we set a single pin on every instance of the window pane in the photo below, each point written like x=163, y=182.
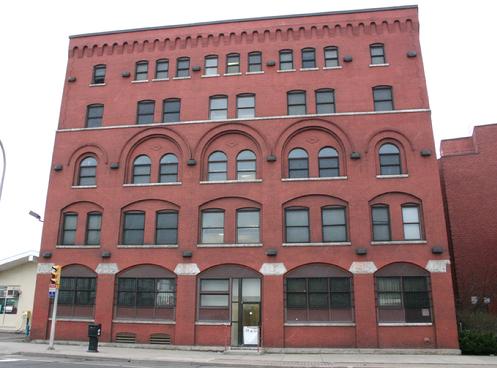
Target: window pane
x=412, y=232
x=166, y=285
x=391, y=284
x=296, y=300
x=415, y=283
x=134, y=220
x=297, y=218
x=248, y=235
x=218, y=114
x=212, y=219
x=296, y=110
x=213, y=235
x=219, y=103
x=301, y=163
x=295, y=285
x=297, y=234
x=248, y=218
x=318, y=284
x=296, y=98
x=410, y=214
x=333, y=216
x=214, y=301
x=318, y=300
x=245, y=101
x=167, y=220
x=214, y=285
x=167, y=236
x=334, y=233
x=133, y=237
x=381, y=233
x=380, y=214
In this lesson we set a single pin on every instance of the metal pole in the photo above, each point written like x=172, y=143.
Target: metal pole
x=3, y=168
x=54, y=319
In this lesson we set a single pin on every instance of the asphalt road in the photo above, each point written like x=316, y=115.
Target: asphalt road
x=16, y=361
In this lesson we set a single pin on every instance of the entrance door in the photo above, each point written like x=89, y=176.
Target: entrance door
x=245, y=312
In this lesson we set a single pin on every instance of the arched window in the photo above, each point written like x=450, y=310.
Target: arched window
x=254, y=61
x=141, y=170
x=98, y=74
x=403, y=294
x=411, y=221
x=145, y=292
x=93, y=227
x=141, y=70
x=171, y=110
x=232, y=63
x=246, y=165
x=133, y=228
x=328, y=163
x=162, y=69
x=389, y=159
x=77, y=292
x=210, y=65
x=68, y=228
x=183, y=67
x=297, y=229
x=248, y=225
x=334, y=220
x=308, y=58
x=325, y=101
x=245, y=105
x=286, y=59
x=319, y=292
x=383, y=98
x=145, y=112
x=166, y=227
x=87, y=171
x=298, y=163
x=168, y=169
x=331, y=57
x=217, y=166
x=296, y=103
x=212, y=226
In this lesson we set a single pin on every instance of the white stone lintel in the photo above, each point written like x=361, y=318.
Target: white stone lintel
x=362, y=267
x=107, y=269
x=44, y=268
x=437, y=266
x=273, y=269
x=186, y=269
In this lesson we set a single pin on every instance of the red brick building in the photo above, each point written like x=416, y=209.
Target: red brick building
x=265, y=182
x=467, y=169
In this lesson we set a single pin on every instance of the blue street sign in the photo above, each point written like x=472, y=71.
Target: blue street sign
x=51, y=294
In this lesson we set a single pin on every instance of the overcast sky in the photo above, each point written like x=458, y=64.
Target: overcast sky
x=458, y=41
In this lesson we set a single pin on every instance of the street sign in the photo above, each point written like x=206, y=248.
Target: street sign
x=51, y=294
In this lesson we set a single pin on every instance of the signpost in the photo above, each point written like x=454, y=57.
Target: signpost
x=53, y=292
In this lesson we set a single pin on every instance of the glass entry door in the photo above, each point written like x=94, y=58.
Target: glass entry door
x=245, y=312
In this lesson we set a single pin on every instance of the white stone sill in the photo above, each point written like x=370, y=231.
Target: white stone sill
x=144, y=321
x=97, y=85
x=258, y=118
x=147, y=246
x=327, y=244
x=315, y=179
x=250, y=73
x=231, y=74
x=230, y=181
x=77, y=246
x=83, y=186
x=308, y=69
x=286, y=70
x=210, y=75
x=332, y=67
x=160, y=80
x=319, y=324
x=378, y=65
x=139, y=81
x=212, y=323
x=403, y=324
x=398, y=242
x=152, y=184
x=229, y=245
x=180, y=78
x=400, y=176
x=65, y=319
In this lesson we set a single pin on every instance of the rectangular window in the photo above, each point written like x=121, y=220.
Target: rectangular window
x=212, y=227
x=211, y=64
x=247, y=226
x=77, y=297
x=93, y=226
x=297, y=225
x=296, y=103
x=334, y=224
x=94, y=115
x=383, y=99
x=377, y=51
x=183, y=67
x=403, y=299
x=381, y=223
x=214, y=299
x=69, y=225
x=145, y=112
x=218, y=107
x=141, y=70
x=325, y=101
x=171, y=109
x=286, y=60
x=133, y=228
x=331, y=57
x=232, y=63
x=162, y=69
x=255, y=62
x=308, y=58
x=166, y=229
x=146, y=298
x=98, y=74
x=411, y=222
x=245, y=106
x=319, y=299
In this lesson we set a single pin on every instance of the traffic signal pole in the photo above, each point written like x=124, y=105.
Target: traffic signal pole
x=54, y=320
x=55, y=275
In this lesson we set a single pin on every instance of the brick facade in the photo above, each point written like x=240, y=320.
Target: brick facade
x=350, y=316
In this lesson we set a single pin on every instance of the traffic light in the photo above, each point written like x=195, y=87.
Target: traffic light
x=55, y=275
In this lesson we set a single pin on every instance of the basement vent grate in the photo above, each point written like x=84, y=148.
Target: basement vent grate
x=160, y=339
x=126, y=337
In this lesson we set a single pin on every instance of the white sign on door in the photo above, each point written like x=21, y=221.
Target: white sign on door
x=251, y=335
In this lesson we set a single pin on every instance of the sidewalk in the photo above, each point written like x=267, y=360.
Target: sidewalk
x=136, y=355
